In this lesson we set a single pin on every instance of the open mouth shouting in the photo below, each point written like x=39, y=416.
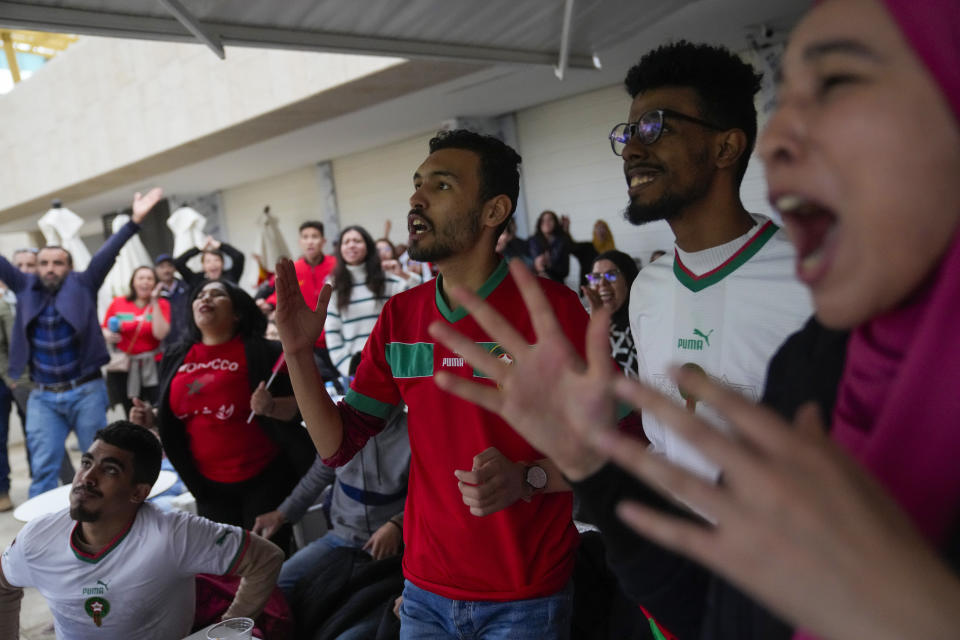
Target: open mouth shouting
x=813, y=230
x=417, y=224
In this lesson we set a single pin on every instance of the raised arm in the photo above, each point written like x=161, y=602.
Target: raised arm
x=238, y=261
x=299, y=328
x=12, y=276
x=180, y=262
x=102, y=261
x=160, y=314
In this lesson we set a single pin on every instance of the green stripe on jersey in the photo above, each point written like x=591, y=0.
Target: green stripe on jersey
x=410, y=360
x=737, y=260
x=453, y=315
x=368, y=405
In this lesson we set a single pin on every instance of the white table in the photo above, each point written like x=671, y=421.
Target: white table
x=59, y=498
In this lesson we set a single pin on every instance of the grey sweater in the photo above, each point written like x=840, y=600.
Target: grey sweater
x=367, y=491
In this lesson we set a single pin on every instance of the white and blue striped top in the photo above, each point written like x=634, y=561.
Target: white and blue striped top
x=347, y=330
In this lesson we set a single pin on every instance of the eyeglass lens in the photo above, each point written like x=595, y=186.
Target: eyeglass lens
x=594, y=278
x=648, y=128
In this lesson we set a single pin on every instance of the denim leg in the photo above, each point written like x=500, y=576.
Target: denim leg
x=304, y=560
x=426, y=616
x=87, y=410
x=546, y=618
x=5, y=400
x=47, y=430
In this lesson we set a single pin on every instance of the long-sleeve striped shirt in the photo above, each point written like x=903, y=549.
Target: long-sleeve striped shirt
x=347, y=330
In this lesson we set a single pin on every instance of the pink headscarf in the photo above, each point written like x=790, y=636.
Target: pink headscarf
x=898, y=410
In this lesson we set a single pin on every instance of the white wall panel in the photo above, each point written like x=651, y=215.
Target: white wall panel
x=293, y=197
x=374, y=186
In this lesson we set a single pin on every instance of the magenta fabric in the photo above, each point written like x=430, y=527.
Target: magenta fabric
x=215, y=594
x=898, y=410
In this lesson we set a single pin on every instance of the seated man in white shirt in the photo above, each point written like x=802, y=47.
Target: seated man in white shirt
x=114, y=566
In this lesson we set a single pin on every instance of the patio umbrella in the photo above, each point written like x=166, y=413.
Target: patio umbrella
x=61, y=227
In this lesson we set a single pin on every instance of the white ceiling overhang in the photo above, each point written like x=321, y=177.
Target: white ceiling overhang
x=560, y=33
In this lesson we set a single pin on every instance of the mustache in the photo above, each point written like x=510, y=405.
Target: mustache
x=88, y=490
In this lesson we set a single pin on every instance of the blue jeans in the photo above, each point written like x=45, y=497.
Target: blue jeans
x=427, y=616
x=51, y=416
x=304, y=560
x=5, y=404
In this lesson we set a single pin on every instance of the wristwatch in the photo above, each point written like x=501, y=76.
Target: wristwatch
x=534, y=480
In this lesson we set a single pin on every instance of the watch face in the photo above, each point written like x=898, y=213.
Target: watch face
x=536, y=477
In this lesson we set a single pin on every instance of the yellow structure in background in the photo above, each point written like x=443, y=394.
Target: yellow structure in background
x=36, y=42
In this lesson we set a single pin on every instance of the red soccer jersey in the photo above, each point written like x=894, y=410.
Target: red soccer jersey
x=311, y=279
x=523, y=551
x=211, y=394
x=130, y=315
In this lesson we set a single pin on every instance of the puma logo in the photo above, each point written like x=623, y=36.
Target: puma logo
x=705, y=336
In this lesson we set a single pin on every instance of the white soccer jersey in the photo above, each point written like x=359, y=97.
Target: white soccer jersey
x=140, y=586
x=725, y=311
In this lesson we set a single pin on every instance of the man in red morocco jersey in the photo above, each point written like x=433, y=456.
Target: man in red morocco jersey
x=114, y=566
x=487, y=526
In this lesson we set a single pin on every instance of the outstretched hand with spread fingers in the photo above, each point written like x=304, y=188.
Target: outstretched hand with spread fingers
x=143, y=204
x=548, y=392
x=799, y=524
x=299, y=325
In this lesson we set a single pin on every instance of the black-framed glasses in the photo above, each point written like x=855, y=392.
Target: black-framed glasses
x=594, y=279
x=649, y=127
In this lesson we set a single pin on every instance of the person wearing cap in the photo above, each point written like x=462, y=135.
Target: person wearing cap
x=175, y=291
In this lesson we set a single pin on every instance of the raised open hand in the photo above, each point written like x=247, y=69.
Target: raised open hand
x=799, y=524
x=299, y=325
x=548, y=393
x=142, y=204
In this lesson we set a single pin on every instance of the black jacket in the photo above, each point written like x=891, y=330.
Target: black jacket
x=686, y=598
x=290, y=436
x=192, y=278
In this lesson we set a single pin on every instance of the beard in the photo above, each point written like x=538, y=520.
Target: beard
x=80, y=514
x=451, y=239
x=667, y=207
x=52, y=286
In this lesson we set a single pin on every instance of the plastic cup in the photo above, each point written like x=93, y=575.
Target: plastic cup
x=232, y=629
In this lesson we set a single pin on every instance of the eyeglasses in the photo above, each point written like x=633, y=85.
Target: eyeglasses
x=648, y=128
x=594, y=279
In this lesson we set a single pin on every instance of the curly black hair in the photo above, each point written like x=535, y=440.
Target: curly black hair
x=724, y=83
x=499, y=164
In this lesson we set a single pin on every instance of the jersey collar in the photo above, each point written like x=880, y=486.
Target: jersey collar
x=749, y=249
x=94, y=558
x=488, y=287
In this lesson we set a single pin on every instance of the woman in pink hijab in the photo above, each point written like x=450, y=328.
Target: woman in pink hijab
x=842, y=535
x=863, y=160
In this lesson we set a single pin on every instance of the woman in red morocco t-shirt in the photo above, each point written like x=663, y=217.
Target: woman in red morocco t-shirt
x=236, y=470
x=142, y=320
